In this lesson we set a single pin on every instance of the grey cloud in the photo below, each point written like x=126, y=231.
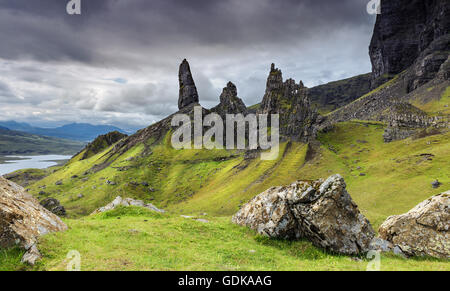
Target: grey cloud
x=118, y=61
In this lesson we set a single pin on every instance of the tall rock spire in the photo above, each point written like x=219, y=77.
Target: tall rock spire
x=188, y=91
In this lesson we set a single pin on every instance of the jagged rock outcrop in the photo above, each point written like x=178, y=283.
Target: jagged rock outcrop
x=403, y=30
x=54, y=206
x=320, y=211
x=119, y=201
x=290, y=100
x=404, y=120
x=230, y=103
x=188, y=90
x=101, y=143
x=423, y=231
x=23, y=220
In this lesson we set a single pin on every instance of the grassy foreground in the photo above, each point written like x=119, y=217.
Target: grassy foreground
x=142, y=240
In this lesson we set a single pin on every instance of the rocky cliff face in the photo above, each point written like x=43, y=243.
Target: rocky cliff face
x=403, y=30
x=188, y=90
x=290, y=100
x=410, y=45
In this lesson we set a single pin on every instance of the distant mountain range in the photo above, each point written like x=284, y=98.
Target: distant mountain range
x=21, y=143
x=75, y=131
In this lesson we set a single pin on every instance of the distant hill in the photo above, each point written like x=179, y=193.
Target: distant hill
x=329, y=97
x=18, y=143
x=76, y=131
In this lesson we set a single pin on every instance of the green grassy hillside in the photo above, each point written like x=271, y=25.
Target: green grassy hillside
x=383, y=179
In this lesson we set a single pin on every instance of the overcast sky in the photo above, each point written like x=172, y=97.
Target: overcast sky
x=117, y=63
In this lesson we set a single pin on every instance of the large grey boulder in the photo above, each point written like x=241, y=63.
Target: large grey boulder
x=423, y=231
x=23, y=220
x=322, y=212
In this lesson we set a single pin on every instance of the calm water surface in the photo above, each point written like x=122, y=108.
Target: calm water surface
x=14, y=163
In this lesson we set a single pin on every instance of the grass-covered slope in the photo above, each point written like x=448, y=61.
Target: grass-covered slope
x=169, y=177
x=384, y=179
x=142, y=240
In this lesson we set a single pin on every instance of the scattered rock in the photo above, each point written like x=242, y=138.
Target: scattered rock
x=54, y=206
x=74, y=177
x=384, y=246
x=119, y=201
x=59, y=183
x=436, y=184
x=145, y=184
x=423, y=231
x=31, y=256
x=24, y=220
x=112, y=183
x=322, y=212
x=80, y=196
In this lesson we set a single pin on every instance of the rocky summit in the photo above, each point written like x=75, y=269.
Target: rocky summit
x=423, y=231
x=230, y=103
x=188, y=90
x=23, y=220
x=320, y=211
x=101, y=143
x=290, y=100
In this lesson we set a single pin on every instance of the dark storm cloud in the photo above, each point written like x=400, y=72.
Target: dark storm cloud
x=88, y=57
x=42, y=30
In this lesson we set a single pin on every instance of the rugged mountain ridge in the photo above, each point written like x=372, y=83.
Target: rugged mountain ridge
x=76, y=131
x=410, y=46
x=331, y=96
